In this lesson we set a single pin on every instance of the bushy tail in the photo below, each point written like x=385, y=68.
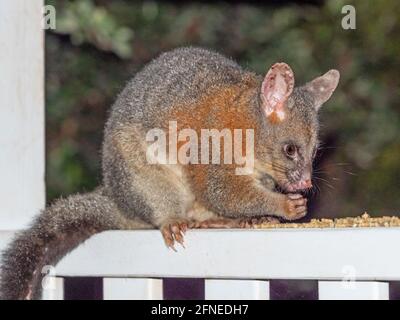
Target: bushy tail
x=55, y=232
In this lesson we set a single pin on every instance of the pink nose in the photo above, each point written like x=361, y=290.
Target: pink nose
x=306, y=184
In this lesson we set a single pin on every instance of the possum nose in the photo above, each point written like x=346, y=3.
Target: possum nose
x=306, y=178
x=307, y=184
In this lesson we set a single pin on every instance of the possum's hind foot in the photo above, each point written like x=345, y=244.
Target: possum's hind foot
x=232, y=223
x=174, y=230
x=218, y=223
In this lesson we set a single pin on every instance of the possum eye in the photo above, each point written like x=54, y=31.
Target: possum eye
x=290, y=150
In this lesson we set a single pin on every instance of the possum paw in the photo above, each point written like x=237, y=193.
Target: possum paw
x=173, y=231
x=295, y=207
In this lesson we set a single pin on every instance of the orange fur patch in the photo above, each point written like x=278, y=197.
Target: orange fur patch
x=222, y=108
x=274, y=118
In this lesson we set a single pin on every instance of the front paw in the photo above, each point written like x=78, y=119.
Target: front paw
x=295, y=207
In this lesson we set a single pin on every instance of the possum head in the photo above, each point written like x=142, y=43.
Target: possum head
x=290, y=116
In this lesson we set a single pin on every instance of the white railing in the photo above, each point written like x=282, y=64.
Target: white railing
x=237, y=264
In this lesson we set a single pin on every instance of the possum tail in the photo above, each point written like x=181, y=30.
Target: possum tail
x=55, y=232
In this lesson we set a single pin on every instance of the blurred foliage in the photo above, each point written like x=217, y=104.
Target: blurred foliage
x=86, y=22
x=99, y=45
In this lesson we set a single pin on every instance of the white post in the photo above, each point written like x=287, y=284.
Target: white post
x=353, y=290
x=54, y=289
x=237, y=290
x=22, y=188
x=132, y=289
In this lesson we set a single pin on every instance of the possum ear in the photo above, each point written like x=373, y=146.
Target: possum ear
x=321, y=88
x=275, y=90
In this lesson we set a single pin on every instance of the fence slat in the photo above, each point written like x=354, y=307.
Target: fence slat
x=132, y=289
x=22, y=188
x=354, y=290
x=212, y=254
x=237, y=290
x=54, y=289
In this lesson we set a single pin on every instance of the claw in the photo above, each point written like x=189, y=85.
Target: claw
x=168, y=238
x=174, y=231
x=184, y=227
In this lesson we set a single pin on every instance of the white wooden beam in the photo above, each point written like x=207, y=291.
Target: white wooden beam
x=236, y=290
x=319, y=254
x=22, y=189
x=353, y=290
x=53, y=288
x=5, y=238
x=132, y=289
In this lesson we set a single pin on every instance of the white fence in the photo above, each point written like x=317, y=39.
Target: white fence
x=236, y=264
x=21, y=112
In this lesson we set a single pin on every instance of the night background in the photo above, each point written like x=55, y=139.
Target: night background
x=99, y=45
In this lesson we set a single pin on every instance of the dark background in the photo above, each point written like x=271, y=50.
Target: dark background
x=98, y=45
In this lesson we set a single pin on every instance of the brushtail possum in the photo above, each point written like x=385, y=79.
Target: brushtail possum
x=195, y=88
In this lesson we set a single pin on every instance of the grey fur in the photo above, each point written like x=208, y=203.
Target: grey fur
x=176, y=77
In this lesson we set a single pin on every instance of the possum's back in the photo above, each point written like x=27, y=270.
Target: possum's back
x=175, y=78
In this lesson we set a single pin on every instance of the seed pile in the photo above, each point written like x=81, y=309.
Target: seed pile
x=351, y=222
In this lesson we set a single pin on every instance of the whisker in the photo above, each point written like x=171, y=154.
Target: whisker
x=325, y=172
x=326, y=182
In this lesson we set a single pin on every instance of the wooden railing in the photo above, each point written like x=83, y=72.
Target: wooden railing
x=237, y=264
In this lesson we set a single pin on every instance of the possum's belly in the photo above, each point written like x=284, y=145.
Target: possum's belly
x=194, y=210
